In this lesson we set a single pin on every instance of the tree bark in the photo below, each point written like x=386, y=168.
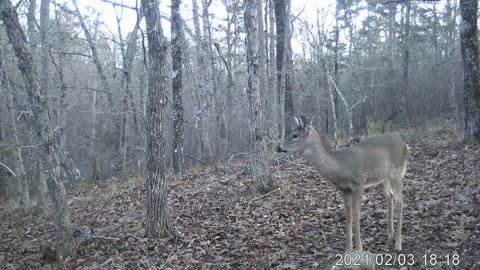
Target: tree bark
x=211, y=108
x=157, y=220
x=177, y=86
x=405, y=63
x=262, y=181
x=451, y=12
x=471, y=71
x=280, y=23
x=272, y=77
x=43, y=127
x=200, y=80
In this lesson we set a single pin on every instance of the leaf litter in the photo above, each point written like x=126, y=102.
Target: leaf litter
x=300, y=226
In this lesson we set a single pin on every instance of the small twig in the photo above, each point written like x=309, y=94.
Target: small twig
x=8, y=169
x=263, y=196
x=194, y=158
x=132, y=236
x=297, y=164
x=237, y=154
x=171, y=253
x=103, y=206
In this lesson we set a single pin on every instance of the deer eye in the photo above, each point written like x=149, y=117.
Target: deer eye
x=294, y=136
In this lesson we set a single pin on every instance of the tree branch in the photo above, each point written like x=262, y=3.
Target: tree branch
x=8, y=169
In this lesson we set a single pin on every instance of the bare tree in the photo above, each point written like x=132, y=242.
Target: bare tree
x=43, y=127
x=272, y=74
x=283, y=50
x=471, y=71
x=405, y=61
x=104, y=82
x=157, y=223
x=177, y=86
x=22, y=180
x=128, y=54
x=262, y=181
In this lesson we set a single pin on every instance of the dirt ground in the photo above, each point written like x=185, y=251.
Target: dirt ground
x=298, y=226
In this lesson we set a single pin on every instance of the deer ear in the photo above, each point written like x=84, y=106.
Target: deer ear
x=299, y=121
x=304, y=120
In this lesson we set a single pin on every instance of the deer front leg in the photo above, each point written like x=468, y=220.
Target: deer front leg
x=389, y=196
x=356, y=207
x=347, y=202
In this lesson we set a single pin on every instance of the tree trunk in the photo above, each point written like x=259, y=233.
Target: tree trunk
x=471, y=71
x=451, y=11
x=22, y=180
x=284, y=62
x=200, y=81
x=405, y=63
x=289, y=75
x=336, y=52
x=211, y=108
x=280, y=22
x=177, y=85
x=43, y=127
x=272, y=76
x=256, y=90
x=128, y=55
x=157, y=220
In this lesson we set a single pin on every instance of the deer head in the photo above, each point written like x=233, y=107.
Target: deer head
x=296, y=140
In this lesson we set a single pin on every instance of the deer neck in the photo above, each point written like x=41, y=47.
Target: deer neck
x=320, y=155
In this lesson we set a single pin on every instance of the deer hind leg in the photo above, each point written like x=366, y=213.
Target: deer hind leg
x=397, y=188
x=347, y=202
x=389, y=196
x=356, y=207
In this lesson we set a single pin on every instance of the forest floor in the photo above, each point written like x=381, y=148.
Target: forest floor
x=301, y=225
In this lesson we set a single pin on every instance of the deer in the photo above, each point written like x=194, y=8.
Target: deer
x=377, y=160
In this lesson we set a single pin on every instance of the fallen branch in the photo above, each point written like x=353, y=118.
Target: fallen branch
x=225, y=181
x=194, y=158
x=109, y=229
x=297, y=164
x=93, y=236
x=262, y=197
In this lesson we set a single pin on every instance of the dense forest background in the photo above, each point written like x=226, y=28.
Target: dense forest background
x=196, y=83
x=379, y=64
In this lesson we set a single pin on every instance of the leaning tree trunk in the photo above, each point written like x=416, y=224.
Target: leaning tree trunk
x=157, y=222
x=471, y=71
x=177, y=52
x=256, y=89
x=43, y=127
x=101, y=73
